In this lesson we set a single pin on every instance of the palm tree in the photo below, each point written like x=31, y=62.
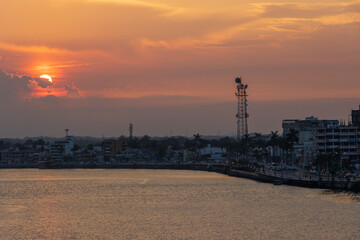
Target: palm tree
x=284, y=146
x=197, y=137
x=198, y=143
x=291, y=139
x=274, y=143
x=259, y=147
x=244, y=146
x=334, y=164
x=228, y=143
x=274, y=140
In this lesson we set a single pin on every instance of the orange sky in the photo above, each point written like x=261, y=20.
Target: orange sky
x=185, y=51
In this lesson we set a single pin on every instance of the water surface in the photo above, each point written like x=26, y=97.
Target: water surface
x=167, y=204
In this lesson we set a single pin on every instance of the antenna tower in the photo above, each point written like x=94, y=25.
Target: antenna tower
x=131, y=128
x=67, y=132
x=242, y=115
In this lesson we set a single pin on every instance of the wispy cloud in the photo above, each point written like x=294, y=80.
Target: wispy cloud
x=167, y=9
x=31, y=49
x=340, y=19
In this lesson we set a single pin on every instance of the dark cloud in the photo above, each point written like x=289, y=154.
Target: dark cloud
x=10, y=84
x=43, y=82
x=22, y=81
x=49, y=99
x=72, y=91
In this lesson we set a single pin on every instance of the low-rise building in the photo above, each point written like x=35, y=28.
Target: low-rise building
x=213, y=154
x=112, y=146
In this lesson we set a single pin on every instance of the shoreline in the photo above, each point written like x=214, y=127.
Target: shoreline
x=246, y=173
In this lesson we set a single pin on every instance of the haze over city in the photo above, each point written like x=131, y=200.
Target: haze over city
x=169, y=66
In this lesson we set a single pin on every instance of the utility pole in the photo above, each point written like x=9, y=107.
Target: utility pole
x=131, y=128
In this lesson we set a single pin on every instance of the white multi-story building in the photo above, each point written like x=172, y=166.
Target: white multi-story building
x=344, y=140
x=341, y=139
x=61, y=150
x=305, y=148
x=326, y=136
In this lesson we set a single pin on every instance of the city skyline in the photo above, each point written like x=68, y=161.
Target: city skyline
x=169, y=67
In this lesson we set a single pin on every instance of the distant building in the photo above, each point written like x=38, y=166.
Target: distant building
x=130, y=155
x=62, y=150
x=3, y=159
x=306, y=128
x=112, y=146
x=16, y=156
x=355, y=117
x=213, y=154
x=343, y=140
x=311, y=137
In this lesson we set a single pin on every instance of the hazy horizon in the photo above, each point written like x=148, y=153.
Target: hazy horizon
x=205, y=119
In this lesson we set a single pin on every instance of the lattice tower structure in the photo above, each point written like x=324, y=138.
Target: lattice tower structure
x=242, y=114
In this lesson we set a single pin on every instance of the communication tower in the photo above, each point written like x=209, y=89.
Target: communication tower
x=67, y=132
x=242, y=115
x=131, y=128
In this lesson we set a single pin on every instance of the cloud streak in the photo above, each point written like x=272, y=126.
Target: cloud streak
x=161, y=7
x=31, y=48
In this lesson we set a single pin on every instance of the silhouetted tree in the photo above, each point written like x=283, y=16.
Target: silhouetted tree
x=274, y=143
x=198, y=143
x=228, y=143
x=291, y=139
x=244, y=146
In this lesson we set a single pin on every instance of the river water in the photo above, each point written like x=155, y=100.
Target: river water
x=167, y=204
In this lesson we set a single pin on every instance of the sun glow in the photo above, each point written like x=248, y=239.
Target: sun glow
x=47, y=77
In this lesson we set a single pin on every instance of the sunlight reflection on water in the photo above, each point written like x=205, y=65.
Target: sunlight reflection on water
x=164, y=204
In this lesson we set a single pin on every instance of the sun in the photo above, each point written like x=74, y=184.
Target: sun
x=47, y=77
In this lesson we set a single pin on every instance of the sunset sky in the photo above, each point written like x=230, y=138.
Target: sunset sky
x=169, y=65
